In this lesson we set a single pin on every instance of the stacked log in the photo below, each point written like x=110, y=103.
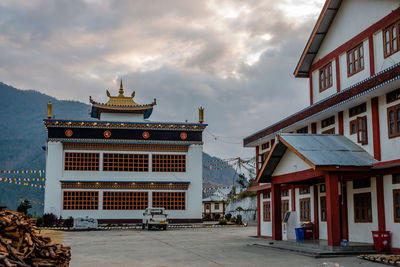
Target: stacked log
x=21, y=244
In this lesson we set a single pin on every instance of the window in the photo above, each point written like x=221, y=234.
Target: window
x=266, y=195
x=329, y=131
x=391, y=39
x=325, y=77
x=304, y=190
x=169, y=200
x=305, y=211
x=362, y=208
x=81, y=161
x=358, y=110
x=323, y=209
x=265, y=146
x=216, y=206
x=393, y=96
x=355, y=60
x=322, y=188
x=361, y=183
x=394, y=121
x=303, y=130
x=126, y=162
x=80, y=200
x=284, y=208
x=362, y=135
x=328, y=121
x=285, y=193
x=353, y=126
x=168, y=163
x=267, y=211
x=396, y=205
x=125, y=200
x=396, y=178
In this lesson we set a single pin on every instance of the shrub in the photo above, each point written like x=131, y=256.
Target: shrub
x=228, y=216
x=207, y=217
x=39, y=222
x=217, y=217
x=239, y=219
x=233, y=219
x=68, y=222
x=49, y=220
x=222, y=222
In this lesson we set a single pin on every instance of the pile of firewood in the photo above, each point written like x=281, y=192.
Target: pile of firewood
x=22, y=245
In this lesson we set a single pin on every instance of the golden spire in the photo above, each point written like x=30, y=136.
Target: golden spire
x=121, y=89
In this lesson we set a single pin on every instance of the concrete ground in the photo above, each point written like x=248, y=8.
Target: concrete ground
x=186, y=247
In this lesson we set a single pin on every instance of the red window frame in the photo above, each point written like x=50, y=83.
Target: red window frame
x=325, y=77
x=267, y=211
x=362, y=208
x=393, y=118
x=125, y=200
x=355, y=60
x=168, y=163
x=284, y=208
x=396, y=205
x=323, y=208
x=80, y=200
x=169, y=200
x=79, y=161
x=362, y=130
x=391, y=39
x=305, y=209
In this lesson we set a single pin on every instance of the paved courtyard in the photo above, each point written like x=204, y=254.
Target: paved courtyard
x=185, y=247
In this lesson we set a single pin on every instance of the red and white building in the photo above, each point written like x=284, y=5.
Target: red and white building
x=337, y=162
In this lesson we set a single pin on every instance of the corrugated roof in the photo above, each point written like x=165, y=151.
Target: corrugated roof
x=329, y=149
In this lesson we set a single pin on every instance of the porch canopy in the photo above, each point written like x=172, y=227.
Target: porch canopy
x=321, y=152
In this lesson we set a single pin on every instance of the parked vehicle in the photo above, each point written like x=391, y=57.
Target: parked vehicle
x=155, y=217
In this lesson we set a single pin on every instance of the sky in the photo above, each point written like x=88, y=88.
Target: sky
x=234, y=58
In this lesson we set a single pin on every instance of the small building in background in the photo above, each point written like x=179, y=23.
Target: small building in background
x=214, y=205
x=113, y=168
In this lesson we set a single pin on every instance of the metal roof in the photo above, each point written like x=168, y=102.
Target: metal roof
x=320, y=151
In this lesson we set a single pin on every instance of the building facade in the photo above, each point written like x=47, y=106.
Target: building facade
x=305, y=162
x=113, y=168
x=214, y=205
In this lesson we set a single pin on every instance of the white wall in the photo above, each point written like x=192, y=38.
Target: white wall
x=265, y=227
x=391, y=226
x=130, y=117
x=353, y=17
x=323, y=226
x=55, y=173
x=289, y=163
x=390, y=147
x=361, y=232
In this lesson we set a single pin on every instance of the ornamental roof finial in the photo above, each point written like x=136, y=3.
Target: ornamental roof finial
x=121, y=89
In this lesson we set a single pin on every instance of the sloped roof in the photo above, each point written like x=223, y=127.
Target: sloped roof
x=320, y=151
x=318, y=34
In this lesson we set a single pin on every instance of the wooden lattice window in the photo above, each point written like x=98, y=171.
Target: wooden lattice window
x=169, y=200
x=266, y=195
x=305, y=209
x=285, y=193
x=265, y=146
x=168, y=163
x=393, y=96
x=284, y=208
x=216, y=206
x=325, y=77
x=361, y=183
x=391, y=39
x=362, y=208
x=396, y=205
x=117, y=200
x=357, y=109
x=323, y=209
x=80, y=200
x=393, y=114
x=355, y=60
x=328, y=121
x=329, y=131
x=267, y=211
x=304, y=190
x=302, y=130
x=362, y=132
x=81, y=161
x=124, y=162
x=353, y=127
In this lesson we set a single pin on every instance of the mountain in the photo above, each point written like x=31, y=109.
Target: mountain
x=23, y=135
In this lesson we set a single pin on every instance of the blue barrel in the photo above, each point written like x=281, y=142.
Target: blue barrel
x=299, y=234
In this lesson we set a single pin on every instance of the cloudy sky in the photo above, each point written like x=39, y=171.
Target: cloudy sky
x=234, y=57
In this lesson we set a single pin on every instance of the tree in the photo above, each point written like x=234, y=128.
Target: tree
x=24, y=206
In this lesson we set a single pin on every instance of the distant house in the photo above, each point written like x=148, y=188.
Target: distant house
x=337, y=162
x=214, y=205
x=113, y=168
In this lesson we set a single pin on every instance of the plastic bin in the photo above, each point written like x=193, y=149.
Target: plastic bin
x=381, y=240
x=299, y=234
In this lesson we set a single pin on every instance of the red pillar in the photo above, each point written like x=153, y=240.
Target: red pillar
x=311, y=89
x=371, y=55
x=340, y=116
x=345, y=225
x=337, y=74
x=316, y=207
x=380, y=203
x=276, y=212
x=375, y=128
x=313, y=128
x=258, y=214
x=332, y=209
x=293, y=197
x=257, y=163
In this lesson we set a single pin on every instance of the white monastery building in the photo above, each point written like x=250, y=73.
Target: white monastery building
x=113, y=168
x=336, y=163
